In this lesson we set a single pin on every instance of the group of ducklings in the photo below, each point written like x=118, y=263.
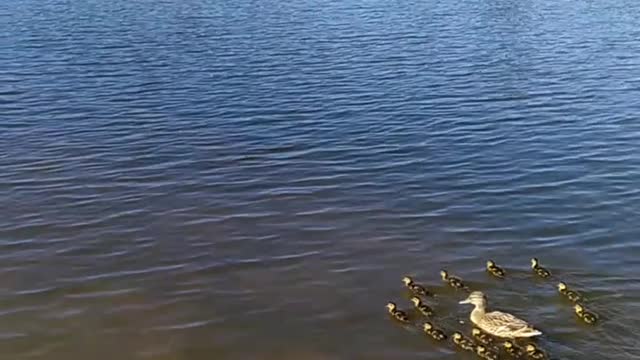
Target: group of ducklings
x=481, y=342
x=573, y=296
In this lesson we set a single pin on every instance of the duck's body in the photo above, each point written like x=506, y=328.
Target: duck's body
x=437, y=334
x=416, y=289
x=512, y=349
x=495, y=270
x=534, y=353
x=425, y=309
x=453, y=281
x=485, y=353
x=573, y=296
x=482, y=338
x=539, y=270
x=397, y=314
x=462, y=342
x=497, y=323
x=586, y=316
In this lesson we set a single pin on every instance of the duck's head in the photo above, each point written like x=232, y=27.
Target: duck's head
x=490, y=263
x=530, y=348
x=476, y=332
x=427, y=326
x=457, y=335
x=534, y=262
x=415, y=300
x=476, y=298
x=562, y=286
x=508, y=344
x=407, y=280
x=579, y=308
x=481, y=349
x=444, y=274
x=391, y=306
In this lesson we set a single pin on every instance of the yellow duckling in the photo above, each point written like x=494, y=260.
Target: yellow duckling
x=539, y=270
x=485, y=353
x=462, y=342
x=482, y=338
x=397, y=314
x=533, y=352
x=425, y=309
x=415, y=288
x=570, y=294
x=585, y=315
x=495, y=270
x=433, y=332
x=512, y=349
x=454, y=282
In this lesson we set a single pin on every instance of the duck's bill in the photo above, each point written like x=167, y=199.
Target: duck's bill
x=466, y=301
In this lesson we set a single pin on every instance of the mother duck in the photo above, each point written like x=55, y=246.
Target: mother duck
x=497, y=323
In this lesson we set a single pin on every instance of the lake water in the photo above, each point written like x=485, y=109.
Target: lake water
x=250, y=179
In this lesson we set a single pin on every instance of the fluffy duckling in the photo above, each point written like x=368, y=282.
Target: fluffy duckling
x=454, y=282
x=462, y=342
x=433, y=332
x=512, y=349
x=533, y=352
x=485, y=353
x=539, y=270
x=585, y=315
x=569, y=294
x=482, y=338
x=417, y=289
x=425, y=309
x=495, y=270
x=397, y=314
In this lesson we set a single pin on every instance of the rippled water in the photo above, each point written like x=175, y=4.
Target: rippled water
x=250, y=179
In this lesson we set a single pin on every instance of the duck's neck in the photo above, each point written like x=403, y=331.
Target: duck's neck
x=478, y=313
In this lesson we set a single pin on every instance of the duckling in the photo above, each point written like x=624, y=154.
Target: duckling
x=485, y=353
x=533, y=352
x=481, y=337
x=397, y=314
x=433, y=332
x=542, y=272
x=585, y=315
x=570, y=294
x=512, y=349
x=495, y=270
x=453, y=281
x=462, y=342
x=417, y=289
x=425, y=309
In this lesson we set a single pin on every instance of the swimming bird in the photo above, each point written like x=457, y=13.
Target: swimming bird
x=542, y=272
x=586, y=315
x=433, y=332
x=481, y=337
x=512, y=349
x=425, y=309
x=462, y=342
x=497, y=323
x=417, y=289
x=570, y=294
x=533, y=352
x=494, y=269
x=485, y=353
x=397, y=314
x=453, y=281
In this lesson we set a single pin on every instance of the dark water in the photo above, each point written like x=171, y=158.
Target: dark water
x=214, y=179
